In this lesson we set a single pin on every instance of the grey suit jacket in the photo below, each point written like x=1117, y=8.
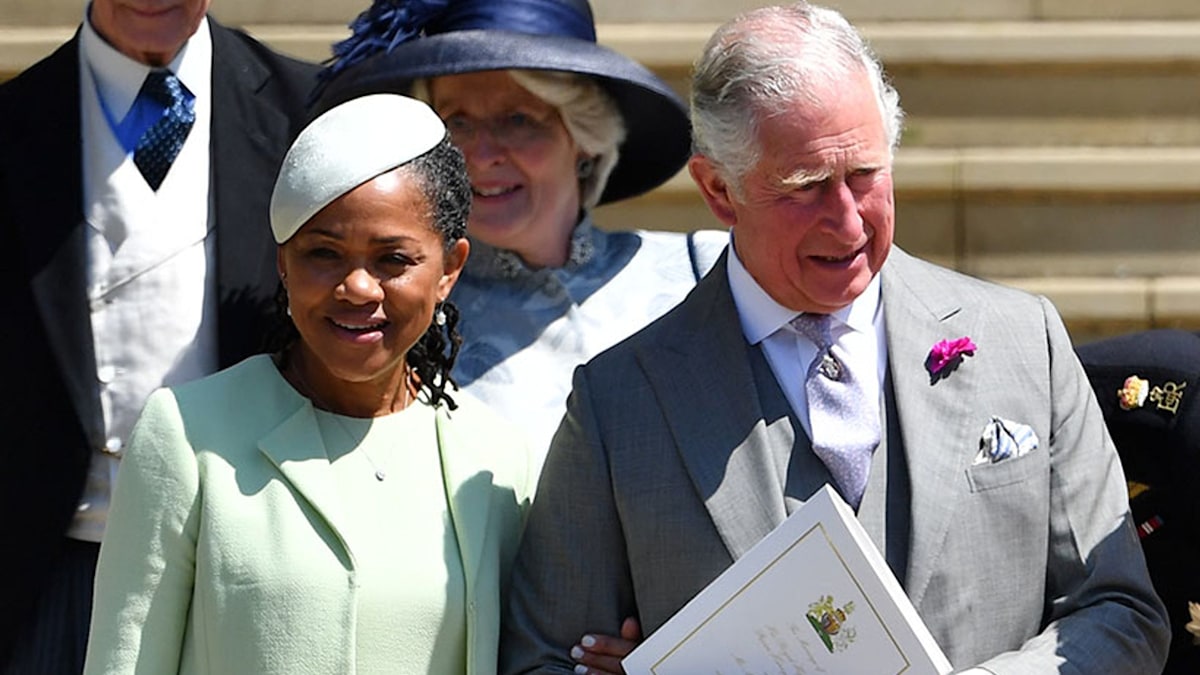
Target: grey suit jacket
x=656, y=482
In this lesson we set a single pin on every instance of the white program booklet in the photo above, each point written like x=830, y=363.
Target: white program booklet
x=814, y=596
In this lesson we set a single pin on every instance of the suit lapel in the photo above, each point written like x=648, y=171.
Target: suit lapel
x=297, y=451
x=249, y=133
x=468, y=491
x=935, y=418
x=51, y=228
x=715, y=416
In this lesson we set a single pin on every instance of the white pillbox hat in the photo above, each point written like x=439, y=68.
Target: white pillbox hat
x=345, y=147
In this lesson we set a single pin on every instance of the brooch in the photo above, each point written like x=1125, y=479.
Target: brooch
x=1136, y=391
x=1133, y=394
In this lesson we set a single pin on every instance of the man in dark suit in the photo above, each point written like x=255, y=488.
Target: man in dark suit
x=1148, y=385
x=950, y=412
x=120, y=277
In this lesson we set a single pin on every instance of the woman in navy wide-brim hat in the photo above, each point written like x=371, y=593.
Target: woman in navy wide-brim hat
x=398, y=42
x=552, y=124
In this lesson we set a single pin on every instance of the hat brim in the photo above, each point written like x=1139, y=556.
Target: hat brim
x=658, y=134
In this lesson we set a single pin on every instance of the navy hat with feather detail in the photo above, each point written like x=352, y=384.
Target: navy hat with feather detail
x=396, y=42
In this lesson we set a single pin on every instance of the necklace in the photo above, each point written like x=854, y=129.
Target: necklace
x=380, y=474
x=307, y=390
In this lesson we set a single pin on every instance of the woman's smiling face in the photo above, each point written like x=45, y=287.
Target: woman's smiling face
x=521, y=159
x=363, y=277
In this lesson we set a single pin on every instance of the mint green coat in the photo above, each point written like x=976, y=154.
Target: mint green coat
x=223, y=553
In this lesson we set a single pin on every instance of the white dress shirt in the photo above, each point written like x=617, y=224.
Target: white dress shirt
x=151, y=285
x=858, y=331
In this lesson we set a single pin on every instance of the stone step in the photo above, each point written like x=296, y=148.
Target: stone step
x=1135, y=131
x=666, y=45
x=65, y=12
x=909, y=10
x=1098, y=307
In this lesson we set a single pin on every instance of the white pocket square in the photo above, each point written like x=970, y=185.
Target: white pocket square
x=1002, y=439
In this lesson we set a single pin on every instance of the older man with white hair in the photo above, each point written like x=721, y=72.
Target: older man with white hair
x=950, y=412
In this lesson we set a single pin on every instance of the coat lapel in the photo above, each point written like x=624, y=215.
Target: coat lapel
x=468, y=491
x=715, y=416
x=296, y=450
x=935, y=417
x=51, y=230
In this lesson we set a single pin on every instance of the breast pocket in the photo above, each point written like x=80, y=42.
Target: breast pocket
x=993, y=475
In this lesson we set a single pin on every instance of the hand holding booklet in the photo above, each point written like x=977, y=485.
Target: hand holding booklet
x=814, y=596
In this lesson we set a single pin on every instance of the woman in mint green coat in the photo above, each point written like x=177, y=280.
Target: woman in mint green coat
x=331, y=508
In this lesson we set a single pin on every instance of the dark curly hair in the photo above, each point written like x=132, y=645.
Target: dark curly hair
x=441, y=175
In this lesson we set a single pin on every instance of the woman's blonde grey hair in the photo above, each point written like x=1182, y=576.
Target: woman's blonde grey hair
x=763, y=60
x=589, y=113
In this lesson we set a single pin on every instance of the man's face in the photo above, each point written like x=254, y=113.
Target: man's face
x=814, y=220
x=148, y=31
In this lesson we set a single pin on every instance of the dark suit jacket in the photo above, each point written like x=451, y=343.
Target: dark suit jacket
x=663, y=473
x=1159, y=443
x=51, y=415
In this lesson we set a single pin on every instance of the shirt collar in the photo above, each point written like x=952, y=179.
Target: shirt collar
x=119, y=78
x=860, y=315
x=761, y=316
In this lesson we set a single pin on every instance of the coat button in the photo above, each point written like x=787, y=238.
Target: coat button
x=106, y=374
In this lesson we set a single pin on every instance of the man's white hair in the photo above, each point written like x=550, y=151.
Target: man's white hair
x=763, y=60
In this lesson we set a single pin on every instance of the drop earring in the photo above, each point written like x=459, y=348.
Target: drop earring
x=439, y=316
x=287, y=299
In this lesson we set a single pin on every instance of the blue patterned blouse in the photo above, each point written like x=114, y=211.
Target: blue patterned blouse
x=524, y=330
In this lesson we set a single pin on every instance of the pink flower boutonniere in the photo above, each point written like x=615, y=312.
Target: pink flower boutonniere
x=946, y=355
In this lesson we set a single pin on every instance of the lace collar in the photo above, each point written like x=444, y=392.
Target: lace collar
x=489, y=262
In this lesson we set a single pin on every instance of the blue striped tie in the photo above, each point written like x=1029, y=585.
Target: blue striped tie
x=160, y=144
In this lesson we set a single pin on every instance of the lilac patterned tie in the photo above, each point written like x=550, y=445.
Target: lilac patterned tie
x=159, y=145
x=845, y=425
